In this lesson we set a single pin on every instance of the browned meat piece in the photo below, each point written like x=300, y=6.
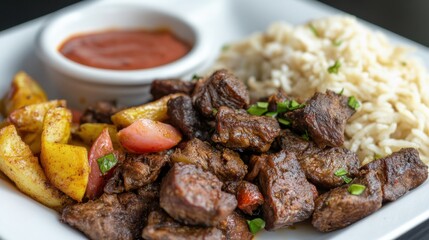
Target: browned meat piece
x=249, y=197
x=162, y=227
x=236, y=129
x=99, y=112
x=256, y=163
x=136, y=171
x=287, y=193
x=235, y=227
x=279, y=97
x=289, y=141
x=109, y=217
x=320, y=167
x=163, y=87
x=324, y=118
x=220, y=89
x=193, y=196
x=338, y=208
x=225, y=164
x=184, y=117
x=399, y=172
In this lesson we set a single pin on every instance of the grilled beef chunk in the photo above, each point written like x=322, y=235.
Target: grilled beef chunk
x=136, y=171
x=184, y=117
x=225, y=164
x=287, y=193
x=220, y=89
x=235, y=227
x=109, y=217
x=399, y=172
x=99, y=112
x=163, y=87
x=289, y=141
x=238, y=130
x=320, y=167
x=338, y=208
x=162, y=227
x=324, y=118
x=193, y=196
x=249, y=197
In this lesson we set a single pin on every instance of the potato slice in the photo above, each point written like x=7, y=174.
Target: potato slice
x=66, y=166
x=156, y=111
x=18, y=163
x=89, y=132
x=29, y=120
x=24, y=91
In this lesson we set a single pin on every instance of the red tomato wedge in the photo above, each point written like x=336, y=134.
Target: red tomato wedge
x=101, y=147
x=145, y=136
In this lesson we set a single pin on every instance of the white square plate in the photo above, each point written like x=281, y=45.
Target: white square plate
x=225, y=21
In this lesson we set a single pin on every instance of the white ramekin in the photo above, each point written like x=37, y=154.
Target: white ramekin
x=81, y=85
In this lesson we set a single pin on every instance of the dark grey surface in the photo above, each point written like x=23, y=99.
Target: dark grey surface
x=407, y=18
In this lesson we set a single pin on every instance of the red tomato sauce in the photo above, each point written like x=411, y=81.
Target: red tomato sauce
x=125, y=49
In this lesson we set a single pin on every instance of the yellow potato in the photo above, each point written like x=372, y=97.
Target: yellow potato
x=19, y=164
x=66, y=166
x=89, y=132
x=29, y=119
x=24, y=91
x=156, y=110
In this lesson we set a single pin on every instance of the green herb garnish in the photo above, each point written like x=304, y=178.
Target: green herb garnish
x=337, y=43
x=341, y=92
x=256, y=110
x=287, y=106
x=346, y=179
x=335, y=68
x=196, y=77
x=214, y=111
x=314, y=30
x=284, y=121
x=340, y=172
x=225, y=47
x=377, y=156
x=356, y=189
x=107, y=162
x=256, y=225
x=305, y=136
x=262, y=104
x=353, y=103
x=404, y=63
x=271, y=114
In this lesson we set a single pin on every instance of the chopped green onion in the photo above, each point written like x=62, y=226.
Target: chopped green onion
x=214, y=111
x=356, y=189
x=377, y=156
x=271, y=114
x=256, y=225
x=340, y=172
x=255, y=110
x=335, y=68
x=305, y=136
x=196, y=77
x=341, y=92
x=262, y=104
x=346, y=179
x=288, y=106
x=337, y=43
x=353, y=103
x=107, y=162
x=314, y=30
x=284, y=121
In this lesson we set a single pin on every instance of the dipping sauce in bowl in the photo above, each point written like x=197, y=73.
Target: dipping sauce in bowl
x=125, y=49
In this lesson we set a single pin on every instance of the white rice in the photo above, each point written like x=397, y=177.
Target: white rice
x=391, y=85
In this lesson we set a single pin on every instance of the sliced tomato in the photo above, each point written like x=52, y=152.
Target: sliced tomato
x=144, y=136
x=101, y=147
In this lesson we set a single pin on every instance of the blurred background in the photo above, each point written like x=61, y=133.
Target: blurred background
x=406, y=18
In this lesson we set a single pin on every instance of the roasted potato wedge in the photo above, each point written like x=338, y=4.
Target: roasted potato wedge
x=66, y=166
x=24, y=91
x=156, y=111
x=89, y=132
x=18, y=163
x=29, y=120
